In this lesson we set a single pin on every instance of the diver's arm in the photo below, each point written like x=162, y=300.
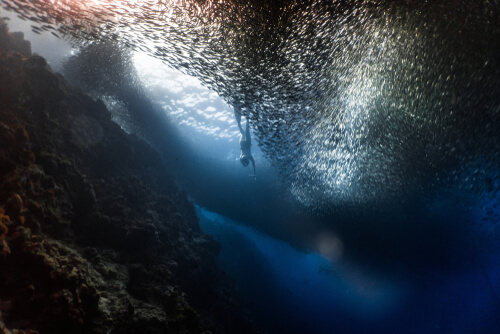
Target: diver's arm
x=253, y=164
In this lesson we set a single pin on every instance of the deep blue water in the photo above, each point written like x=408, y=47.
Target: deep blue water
x=291, y=291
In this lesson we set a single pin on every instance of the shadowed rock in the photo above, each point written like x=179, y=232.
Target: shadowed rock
x=91, y=240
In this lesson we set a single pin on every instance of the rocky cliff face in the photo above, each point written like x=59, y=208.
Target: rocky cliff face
x=95, y=236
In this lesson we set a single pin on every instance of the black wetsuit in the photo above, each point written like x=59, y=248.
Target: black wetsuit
x=245, y=141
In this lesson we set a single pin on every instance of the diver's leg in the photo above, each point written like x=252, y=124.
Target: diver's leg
x=247, y=133
x=237, y=115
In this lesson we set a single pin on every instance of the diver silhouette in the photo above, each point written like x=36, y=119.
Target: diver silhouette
x=245, y=141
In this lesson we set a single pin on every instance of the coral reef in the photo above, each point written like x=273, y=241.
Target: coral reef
x=96, y=237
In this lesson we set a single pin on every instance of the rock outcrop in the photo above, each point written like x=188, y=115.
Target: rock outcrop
x=94, y=235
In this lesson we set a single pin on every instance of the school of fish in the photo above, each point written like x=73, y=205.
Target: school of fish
x=353, y=101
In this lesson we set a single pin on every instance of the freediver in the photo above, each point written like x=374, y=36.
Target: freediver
x=245, y=141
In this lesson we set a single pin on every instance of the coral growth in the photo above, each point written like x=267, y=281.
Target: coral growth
x=4, y=220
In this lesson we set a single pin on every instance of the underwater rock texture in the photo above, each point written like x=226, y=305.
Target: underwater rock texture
x=95, y=236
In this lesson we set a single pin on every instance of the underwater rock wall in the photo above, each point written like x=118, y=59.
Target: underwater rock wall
x=95, y=236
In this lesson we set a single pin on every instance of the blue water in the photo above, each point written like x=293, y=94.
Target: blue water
x=291, y=291
x=438, y=272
